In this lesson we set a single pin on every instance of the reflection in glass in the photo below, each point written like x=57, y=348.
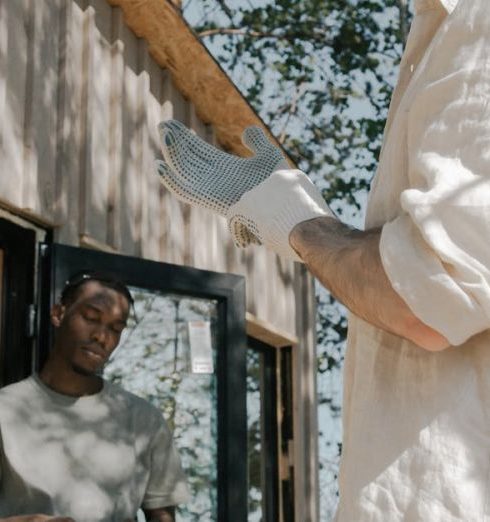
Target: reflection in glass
x=254, y=425
x=153, y=361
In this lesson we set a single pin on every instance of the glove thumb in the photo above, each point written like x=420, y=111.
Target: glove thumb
x=254, y=139
x=241, y=234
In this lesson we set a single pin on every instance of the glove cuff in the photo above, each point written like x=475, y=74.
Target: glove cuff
x=274, y=207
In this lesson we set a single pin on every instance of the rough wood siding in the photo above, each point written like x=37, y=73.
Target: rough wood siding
x=80, y=98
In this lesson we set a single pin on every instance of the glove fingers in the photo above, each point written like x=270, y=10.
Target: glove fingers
x=176, y=136
x=221, y=177
x=175, y=183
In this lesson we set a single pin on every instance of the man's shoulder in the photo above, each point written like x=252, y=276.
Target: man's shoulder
x=16, y=399
x=16, y=389
x=134, y=403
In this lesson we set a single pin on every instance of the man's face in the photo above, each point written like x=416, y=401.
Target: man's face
x=88, y=329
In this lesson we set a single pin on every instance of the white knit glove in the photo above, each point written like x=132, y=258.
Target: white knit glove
x=261, y=197
x=273, y=208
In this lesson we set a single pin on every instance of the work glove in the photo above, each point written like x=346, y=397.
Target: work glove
x=260, y=196
x=204, y=176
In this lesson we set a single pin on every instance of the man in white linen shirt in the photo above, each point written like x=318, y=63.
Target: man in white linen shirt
x=417, y=370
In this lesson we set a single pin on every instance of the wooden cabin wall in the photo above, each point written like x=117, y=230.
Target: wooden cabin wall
x=80, y=98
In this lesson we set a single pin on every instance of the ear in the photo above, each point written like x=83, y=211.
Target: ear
x=57, y=313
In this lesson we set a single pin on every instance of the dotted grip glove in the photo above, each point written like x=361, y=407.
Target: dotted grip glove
x=260, y=196
x=204, y=176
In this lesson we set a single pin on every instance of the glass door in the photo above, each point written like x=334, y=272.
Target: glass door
x=184, y=351
x=262, y=418
x=159, y=360
x=270, y=433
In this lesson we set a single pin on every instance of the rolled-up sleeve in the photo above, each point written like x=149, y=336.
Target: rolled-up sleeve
x=437, y=252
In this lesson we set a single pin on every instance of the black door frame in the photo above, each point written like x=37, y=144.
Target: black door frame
x=270, y=428
x=18, y=244
x=58, y=262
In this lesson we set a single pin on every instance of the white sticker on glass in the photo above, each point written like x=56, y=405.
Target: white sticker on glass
x=201, y=347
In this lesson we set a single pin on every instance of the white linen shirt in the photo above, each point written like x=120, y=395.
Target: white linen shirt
x=416, y=424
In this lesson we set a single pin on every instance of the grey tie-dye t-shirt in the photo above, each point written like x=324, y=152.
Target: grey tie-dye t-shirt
x=97, y=458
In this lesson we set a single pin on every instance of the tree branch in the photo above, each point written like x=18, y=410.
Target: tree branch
x=318, y=37
x=292, y=110
x=225, y=9
x=238, y=32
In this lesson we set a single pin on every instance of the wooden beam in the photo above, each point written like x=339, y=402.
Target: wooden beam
x=198, y=76
x=268, y=334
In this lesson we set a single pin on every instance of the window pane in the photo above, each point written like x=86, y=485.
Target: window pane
x=153, y=361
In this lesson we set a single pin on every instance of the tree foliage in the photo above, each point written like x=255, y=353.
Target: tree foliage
x=319, y=72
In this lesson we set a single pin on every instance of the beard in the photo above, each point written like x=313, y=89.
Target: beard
x=86, y=372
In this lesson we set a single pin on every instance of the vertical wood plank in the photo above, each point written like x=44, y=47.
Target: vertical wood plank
x=172, y=211
x=145, y=155
x=153, y=228
x=15, y=66
x=95, y=178
x=3, y=63
x=41, y=108
x=255, y=270
x=200, y=244
x=288, y=308
x=130, y=192
x=219, y=235
x=115, y=144
x=183, y=113
x=70, y=123
x=29, y=192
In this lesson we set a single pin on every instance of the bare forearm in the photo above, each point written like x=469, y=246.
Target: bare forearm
x=347, y=262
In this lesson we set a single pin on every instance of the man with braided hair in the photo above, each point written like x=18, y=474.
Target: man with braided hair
x=416, y=407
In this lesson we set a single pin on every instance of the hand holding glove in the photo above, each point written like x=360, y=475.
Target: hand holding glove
x=260, y=196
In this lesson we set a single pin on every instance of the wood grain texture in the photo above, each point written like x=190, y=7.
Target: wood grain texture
x=40, y=124
x=152, y=224
x=70, y=123
x=83, y=138
x=131, y=146
x=97, y=120
x=15, y=25
x=173, y=212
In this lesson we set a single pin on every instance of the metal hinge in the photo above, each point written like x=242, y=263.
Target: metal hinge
x=31, y=324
